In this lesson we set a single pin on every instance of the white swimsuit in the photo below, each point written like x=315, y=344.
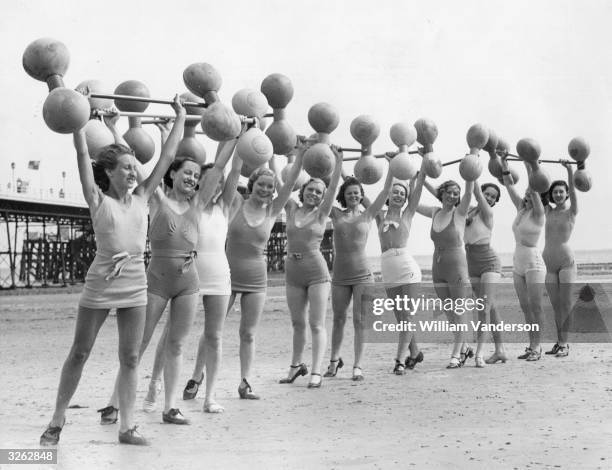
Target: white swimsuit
x=211, y=261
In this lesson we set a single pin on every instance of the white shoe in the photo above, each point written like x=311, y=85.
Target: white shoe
x=213, y=407
x=150, y=402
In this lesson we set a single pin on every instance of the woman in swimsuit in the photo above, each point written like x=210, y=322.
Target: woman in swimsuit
x=350, y=270
x=558, y=256
x=307, y=275
x=172, y=274
x=484, y=266
x=247, y=236
x=400, y=272
x=116, y=278
x=529, y=271
x=449, y=268
x=215, y=288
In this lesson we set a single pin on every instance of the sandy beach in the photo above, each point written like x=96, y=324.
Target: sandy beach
x=553, y=413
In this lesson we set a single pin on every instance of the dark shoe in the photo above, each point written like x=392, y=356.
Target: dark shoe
x=563, y=351
x=333, y=367
x=301, y=371
x=468, y=353
x=246, y=392
x=174, y=416
x=108, y=415
x=411, y=362
x=132, y=437
x=399, y=368
x=554, y=350
x=534, y=355
x=315, y=381
x=526, y=354
x=191, y=389
x=51, y=436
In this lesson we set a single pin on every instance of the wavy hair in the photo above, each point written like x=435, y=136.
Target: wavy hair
x=444, y=186
x=106, y=159
x=303, y=187
x=349, y=181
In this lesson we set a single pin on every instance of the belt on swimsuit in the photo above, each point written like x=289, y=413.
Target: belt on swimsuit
x=477, y=246
x=301, y=254
x=520, y=245
x=187, y=256
x=119, y=262
x=395, y=251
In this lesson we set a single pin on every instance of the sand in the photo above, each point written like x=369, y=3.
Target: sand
x=554, y=413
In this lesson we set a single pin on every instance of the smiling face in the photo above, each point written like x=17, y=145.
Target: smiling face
x=123, y=177
x=313, y=193
x=451, y=195
x=186, y=177
x=352, y=196
x=263, y=188
x=491, y=195
x=559, y=194
x=397, y=195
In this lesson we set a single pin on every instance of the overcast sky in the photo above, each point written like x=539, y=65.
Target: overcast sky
x=536, y=69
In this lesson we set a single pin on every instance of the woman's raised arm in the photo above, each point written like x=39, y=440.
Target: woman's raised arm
x=168, y=152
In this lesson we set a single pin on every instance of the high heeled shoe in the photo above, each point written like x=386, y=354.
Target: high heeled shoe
x=411, y=362
x=246, y=392
x=301, y=371
x=51, y=436
x=534, y=355
x=399, y=368
x=526, y=354
x=454, y=363
x=333, y=367
x=315, y=381
x=192, y=387
x=554, y=350
x=357, y=374
x=563, y=351
x=465, y=355
x=108, y=415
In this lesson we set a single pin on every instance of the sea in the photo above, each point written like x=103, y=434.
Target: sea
x=588, y=261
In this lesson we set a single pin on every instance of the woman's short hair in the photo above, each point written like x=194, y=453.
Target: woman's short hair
x=303, y=187
x=350, y=181
x=494, y=186
x=106, y=159
x=552, y=187
x=406, y=188
x=176, y=165
x=444, y=187
x=262, y=171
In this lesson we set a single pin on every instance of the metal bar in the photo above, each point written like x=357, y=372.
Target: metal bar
x=144, y=99
x=518, y=159
x=189, y=117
